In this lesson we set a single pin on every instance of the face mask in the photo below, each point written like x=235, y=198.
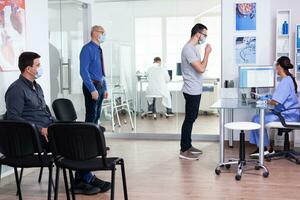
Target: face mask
x=202, y=41
x=102, y=38
x=39, y=73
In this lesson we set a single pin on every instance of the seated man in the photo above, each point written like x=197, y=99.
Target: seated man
x=25, y=102
x=158, y=78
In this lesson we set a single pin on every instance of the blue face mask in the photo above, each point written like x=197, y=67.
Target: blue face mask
x=39, y=73
x=202, y=41
x=102, y=38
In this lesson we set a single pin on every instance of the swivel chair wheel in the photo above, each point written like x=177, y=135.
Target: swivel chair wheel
x=238, y=177
x=228, y=166
x=142, y=117
x=298, y=161
x=167, y=117
x=257, y=167
x=266, y=174
x=217, y=171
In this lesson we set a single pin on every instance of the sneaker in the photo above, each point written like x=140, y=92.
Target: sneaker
x=102, y=185
x=266, y=152
x=195, y=151
x=85, y=189
x=188, y=155
x=169, y=113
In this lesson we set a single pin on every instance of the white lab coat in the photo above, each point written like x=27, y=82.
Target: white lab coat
x=158, y=78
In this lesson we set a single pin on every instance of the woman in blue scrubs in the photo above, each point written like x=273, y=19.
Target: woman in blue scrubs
x=284, y=97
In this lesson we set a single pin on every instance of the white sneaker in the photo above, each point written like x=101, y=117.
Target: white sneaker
x=266, y=153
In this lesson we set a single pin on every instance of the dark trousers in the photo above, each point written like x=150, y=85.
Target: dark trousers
x=192, y=103
x=92, y=114
x=93, y=107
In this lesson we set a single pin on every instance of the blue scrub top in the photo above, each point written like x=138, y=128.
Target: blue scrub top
x=285, y=95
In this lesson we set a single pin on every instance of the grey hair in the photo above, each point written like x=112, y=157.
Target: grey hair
x=96, y=27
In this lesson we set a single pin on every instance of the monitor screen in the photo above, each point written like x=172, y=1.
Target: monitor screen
x=256, y=76
x=170, y=72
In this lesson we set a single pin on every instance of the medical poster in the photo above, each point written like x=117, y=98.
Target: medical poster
x=12, y=31
x=245, y=16
x=245, y=50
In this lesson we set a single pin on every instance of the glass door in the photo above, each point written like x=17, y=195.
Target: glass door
x=68, y=31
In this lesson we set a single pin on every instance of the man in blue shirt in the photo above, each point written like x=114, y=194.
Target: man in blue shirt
x=93, y=75
x=95, y=90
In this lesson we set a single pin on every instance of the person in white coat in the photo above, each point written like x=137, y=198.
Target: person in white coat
x=158, y=79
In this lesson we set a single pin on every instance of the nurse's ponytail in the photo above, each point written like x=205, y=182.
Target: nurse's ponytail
x=286, y=64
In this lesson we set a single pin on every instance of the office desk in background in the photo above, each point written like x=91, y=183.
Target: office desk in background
x=210, y=94
x=224, y=105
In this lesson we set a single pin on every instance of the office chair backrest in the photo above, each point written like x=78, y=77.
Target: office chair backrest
x=18, y=139
x=64, y=110
x=76, y=141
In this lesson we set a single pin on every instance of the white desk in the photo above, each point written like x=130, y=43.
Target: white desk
x=224, y=105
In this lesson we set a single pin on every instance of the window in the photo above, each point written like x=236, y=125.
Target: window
x=148, y=41
x=178, y=32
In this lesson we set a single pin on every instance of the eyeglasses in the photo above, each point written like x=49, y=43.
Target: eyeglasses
x=205, y=35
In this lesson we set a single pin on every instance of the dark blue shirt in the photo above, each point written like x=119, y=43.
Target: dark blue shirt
x=91, y=65
x=25, y=102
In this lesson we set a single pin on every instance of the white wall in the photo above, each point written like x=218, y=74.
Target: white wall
x=265, y=33
x=36, y=40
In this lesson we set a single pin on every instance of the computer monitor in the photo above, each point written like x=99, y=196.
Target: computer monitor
x=170, y=72
x=178, y=69
x=256, y=76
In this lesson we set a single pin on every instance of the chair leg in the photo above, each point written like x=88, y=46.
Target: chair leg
x=0, y=172
x=40, y=175
x=50, y=182
x=56, y=183
x=18, y=183
x=112, y=190
x=66, y=184
x=124, y=179
x=21, y=175
x=72, y=184
x=129, y=113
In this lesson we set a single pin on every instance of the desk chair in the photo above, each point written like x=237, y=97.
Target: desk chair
x=284, y=128
x=241, y=162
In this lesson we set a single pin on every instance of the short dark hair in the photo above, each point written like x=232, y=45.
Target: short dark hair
x=197, y=29
x=157, y=59
x=26, y=59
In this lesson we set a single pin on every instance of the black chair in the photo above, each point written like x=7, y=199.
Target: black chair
x=21, y=148
x=285, y=128
x=81, y=146
x=65, y=112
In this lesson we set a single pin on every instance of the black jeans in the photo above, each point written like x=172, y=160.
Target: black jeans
x=93, y=107
x=192, y=103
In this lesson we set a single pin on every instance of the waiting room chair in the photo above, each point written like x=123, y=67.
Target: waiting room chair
x=20, y=148
x=82, y=146
x=284, y=128
x=65, y=112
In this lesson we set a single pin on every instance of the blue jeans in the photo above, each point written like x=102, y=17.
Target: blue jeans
x=92, y=114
